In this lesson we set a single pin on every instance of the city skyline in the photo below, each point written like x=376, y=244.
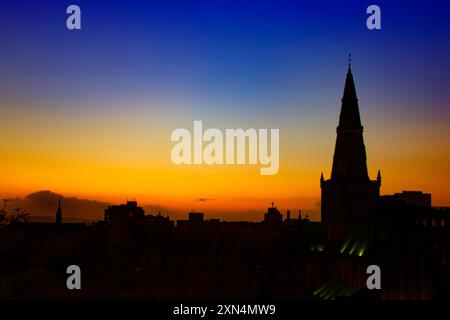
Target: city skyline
x=282, y=256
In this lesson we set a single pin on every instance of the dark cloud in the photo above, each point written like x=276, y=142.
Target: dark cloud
x=205, y=199
x=42, y=206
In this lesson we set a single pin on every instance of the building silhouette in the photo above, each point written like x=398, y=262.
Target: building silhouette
x=123, y=213
x=273, y=216
x=349, y=196
x=402, y=233
x=196, y=217
x=414, y=197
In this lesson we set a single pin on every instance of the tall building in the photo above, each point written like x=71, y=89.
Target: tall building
x=124, y=213
x=349, y=196
x=273, y=216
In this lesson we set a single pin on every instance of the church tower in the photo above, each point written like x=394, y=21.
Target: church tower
x=59, y=213
x=349, y=196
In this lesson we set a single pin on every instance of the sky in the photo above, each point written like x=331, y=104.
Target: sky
x=89, y=113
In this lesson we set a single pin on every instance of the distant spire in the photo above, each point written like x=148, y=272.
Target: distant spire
x=349, y=61
x=379, y=177
x=59, y=212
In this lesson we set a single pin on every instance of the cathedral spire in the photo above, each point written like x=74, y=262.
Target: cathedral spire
x=349, y=162
x=349, y=197
x=349, y=118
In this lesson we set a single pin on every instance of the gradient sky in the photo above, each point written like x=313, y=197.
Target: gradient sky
x=89, y=113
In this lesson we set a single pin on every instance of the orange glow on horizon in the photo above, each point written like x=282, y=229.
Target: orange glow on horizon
x=112, y=159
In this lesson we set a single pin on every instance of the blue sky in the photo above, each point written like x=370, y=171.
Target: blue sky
x=242, y=52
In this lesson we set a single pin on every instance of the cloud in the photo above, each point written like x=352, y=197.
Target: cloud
x=205, y=199
x=42, y=205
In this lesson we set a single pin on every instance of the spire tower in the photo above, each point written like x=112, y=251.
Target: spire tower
x=349, y=197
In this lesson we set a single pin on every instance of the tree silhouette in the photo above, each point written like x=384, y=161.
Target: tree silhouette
x=18, y=215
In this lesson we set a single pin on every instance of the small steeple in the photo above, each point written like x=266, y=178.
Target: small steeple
x=379, y=178
x=59, y=212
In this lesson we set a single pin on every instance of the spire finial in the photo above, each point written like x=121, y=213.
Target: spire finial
x=349, y=61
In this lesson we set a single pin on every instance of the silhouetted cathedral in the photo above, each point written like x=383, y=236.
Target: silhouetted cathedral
x=349, y=196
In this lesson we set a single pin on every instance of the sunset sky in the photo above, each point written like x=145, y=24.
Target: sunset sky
x=89, y=113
